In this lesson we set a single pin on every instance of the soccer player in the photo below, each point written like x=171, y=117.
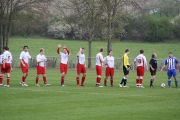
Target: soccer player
x=24, y=57
x=141, y=63
x=41, y=67
x=1, y=75
x=153, y=68
x=171, y=63
x=126, y=68
x=99, y=64
x=64, y=56
x=109, y=62
x=81, y=67
x=6, y=65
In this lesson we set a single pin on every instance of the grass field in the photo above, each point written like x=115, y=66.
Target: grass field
x=89, y=103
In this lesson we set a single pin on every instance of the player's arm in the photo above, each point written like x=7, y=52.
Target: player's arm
x=145, y=62
x=164, y=65
x=105, y=61
x=58, y=49
x=21, y=59
x=150, y=65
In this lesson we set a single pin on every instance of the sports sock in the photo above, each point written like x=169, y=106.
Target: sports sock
x=122, y=81
x=44, y=79
x=151, y=83
x=105, y=82
x=137, y=82
x=169, y=83
x=37, y=80
x=111, y=82
x=98, y=81
x=62, y=80
x=82, y=80
x=1, y=79
x=125, y=82
x=77, y=80
x=140, y=81
x=23, y=78
x=176, y=83
x=8, y=80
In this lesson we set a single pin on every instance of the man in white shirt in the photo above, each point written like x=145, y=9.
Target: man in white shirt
x=41, y=67
x=6, y=65
x=109, y=62
x=141, y=63
x=24, y=57
x=64, y=57
x=81, y=67
x=99, y=64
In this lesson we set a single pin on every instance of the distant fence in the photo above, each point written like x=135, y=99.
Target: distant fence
x=53, y=62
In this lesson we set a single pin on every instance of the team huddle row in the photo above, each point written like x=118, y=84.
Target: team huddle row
x=140, y=62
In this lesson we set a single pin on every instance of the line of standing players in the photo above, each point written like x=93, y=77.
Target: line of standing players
x=140, y=63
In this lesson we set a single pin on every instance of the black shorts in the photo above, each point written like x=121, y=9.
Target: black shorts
x=125, y=70
x=153, y=72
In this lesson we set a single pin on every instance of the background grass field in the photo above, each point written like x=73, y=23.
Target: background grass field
x=89, y=103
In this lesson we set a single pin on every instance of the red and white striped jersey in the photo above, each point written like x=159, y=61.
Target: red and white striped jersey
x=109, y=61
x=41, y=60
x=64, y=58
x=7, y=57
x=81, y=58
x=99, y=59
x=140, y=60
x=25, y=56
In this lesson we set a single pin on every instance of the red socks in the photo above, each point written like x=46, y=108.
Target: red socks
x=8, y=80
x=111, y=82
x=37, y=79
x=105, y=82
x=139, y=82
x=44, y=79
x=82, y=81
x=1, y=79
x=23, y=79
x=62, y=80
x=98, y=81
x=77, y=80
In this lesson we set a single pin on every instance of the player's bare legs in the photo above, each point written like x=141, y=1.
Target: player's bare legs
x=83, y=79
x=62, y=78
x=37, y=80
x=105, y=81
x=111, y=81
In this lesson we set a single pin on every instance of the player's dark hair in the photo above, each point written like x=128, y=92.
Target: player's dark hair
x=25, y=47
x=41, y=50
x=110, y=51
x=83, y=48
x=153, y=56
x=5, y=48
x=141, y=51
x=101, y=50
x=127, y=50
x=170, y=53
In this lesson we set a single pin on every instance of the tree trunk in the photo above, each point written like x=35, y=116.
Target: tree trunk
x=89, y=52
x=109, y=47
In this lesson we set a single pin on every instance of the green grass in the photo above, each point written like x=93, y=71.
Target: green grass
x=50, y=45
x=89, y=103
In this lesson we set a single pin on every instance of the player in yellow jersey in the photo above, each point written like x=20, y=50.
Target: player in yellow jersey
x=126, y=68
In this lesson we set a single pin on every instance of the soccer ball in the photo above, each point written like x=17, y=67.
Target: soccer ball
x=163, y=85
